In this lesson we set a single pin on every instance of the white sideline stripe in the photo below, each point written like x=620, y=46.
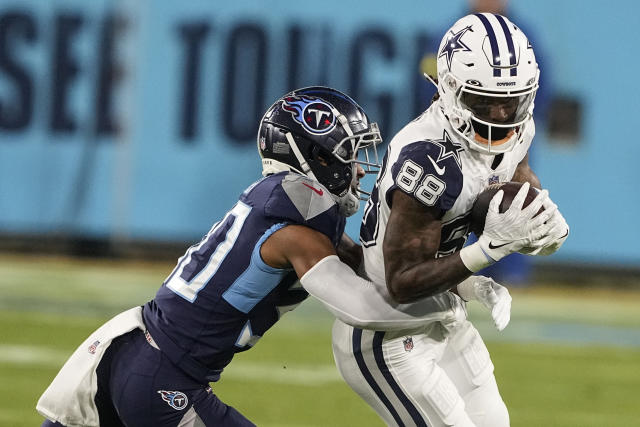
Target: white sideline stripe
x=246, y=371
x=32, y=355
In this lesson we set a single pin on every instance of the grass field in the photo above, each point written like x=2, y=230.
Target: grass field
x=569, y=357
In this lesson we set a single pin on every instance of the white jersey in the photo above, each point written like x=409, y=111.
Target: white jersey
x=429, y=162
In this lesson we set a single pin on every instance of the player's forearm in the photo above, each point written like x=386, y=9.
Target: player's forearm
x=410, y=247
x=426, y=278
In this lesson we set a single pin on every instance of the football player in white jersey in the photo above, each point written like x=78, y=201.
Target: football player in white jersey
x=417, y=221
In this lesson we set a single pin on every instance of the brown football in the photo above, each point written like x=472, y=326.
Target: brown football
x=481, y=205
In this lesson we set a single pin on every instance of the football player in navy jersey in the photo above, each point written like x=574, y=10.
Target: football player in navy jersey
x=152, y=365
x=417, y=221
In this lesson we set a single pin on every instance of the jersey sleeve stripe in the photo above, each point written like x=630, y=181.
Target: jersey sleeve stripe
x=251, y=287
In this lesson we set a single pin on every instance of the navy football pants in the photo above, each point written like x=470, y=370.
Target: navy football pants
x=138, y=386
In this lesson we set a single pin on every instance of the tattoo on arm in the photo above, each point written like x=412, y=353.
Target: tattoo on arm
x=411, y=241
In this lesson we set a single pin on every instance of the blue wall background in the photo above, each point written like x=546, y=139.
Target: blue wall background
x=98, y=144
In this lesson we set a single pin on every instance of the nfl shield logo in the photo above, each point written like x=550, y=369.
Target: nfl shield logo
x=494, y=180
x=93, y=347
x=408, y=343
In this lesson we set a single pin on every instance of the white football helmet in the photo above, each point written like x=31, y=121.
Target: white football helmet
x=487, y=80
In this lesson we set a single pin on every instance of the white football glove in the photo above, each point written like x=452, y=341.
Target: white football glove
x=492, y=295
x=515, y=229
x=557, y=235
x=512, y=231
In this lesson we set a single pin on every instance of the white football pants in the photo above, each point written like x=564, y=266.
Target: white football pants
x=435, y=378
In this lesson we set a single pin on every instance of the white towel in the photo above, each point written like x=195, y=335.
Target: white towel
x=70, y=397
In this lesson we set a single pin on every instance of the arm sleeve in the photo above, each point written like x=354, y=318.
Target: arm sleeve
x=358, y=302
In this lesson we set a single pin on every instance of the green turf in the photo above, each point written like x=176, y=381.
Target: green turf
x=48, y=306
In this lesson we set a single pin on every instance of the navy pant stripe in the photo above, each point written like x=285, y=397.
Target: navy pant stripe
x=512, y=51
x=382, y=366
x=357, y=352
x=493, y=41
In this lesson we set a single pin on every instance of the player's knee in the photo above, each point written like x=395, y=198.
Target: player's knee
x=485, y=406
x=476, y=360
x=445, y=401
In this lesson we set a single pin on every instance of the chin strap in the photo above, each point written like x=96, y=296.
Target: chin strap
x=429, y=78
x=306, y=169
x=349, y=202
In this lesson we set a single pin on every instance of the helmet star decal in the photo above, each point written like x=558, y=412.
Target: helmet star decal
x=454, y=44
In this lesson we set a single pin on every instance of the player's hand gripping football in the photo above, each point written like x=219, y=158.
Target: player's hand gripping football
x=493, y=296
x=518, y=228
x=557, y=235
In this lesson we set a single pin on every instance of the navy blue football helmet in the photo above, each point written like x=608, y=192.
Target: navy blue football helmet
x=323, y=134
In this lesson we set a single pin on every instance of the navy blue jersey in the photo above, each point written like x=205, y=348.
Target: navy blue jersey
x=222, y=297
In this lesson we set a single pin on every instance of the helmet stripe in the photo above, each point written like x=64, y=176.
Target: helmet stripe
x=512, y=51
x=495, y=52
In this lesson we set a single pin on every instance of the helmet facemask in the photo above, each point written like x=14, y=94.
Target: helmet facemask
x=338, y=170
x=359, y=150
x=490, y=121
x=495, y=121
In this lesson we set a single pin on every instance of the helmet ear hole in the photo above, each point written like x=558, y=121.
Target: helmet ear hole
x=450, y=81
x=321, y=156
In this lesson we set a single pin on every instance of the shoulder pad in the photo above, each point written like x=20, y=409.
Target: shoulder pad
x=430, y=172
x=300, y=200
x=297, y=192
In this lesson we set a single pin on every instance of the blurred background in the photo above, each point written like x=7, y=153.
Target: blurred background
x=127, y=127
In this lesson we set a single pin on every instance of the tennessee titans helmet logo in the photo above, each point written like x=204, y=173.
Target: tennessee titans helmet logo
x=315, y=115
x=175, y=399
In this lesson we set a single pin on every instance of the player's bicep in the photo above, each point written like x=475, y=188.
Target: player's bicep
x=412, y=234
x=296, y=246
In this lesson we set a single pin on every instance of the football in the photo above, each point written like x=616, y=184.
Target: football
x=481, y=205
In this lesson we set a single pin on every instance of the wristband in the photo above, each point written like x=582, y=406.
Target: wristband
x=474, y=258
